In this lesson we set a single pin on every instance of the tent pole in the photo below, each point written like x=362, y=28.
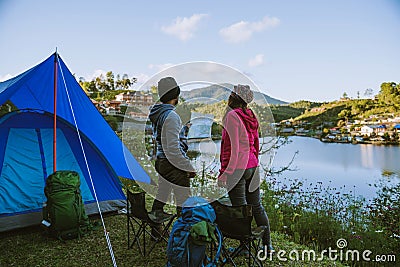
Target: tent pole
x=55, y=114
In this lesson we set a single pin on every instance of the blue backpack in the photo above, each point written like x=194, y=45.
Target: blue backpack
x=191, y=234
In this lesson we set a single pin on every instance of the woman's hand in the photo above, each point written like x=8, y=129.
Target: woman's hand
x=221, y=183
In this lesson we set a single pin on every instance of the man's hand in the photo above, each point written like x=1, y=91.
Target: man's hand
x=191, y=174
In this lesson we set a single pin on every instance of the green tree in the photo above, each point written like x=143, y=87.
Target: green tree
x=126, y=82
x=216, y=129
x=101, y=84
x=341, y=123
x=118, y=84
x=368, y=92
x=389, y=94
x=154, y=93
x=386, y=136
x=83, y=84
x=344, y=114
x=112, y=121
x=7, y=107
x=123, y=109
x=91, y=86
x=110, y=80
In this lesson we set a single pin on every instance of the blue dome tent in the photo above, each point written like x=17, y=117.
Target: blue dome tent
x=84, y=143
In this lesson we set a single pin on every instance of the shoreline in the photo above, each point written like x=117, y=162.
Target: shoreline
x=353, y=142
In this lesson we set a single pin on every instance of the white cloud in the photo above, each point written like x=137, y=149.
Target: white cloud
x=96, y=74
x=256, y=61
x=160, y=67
x=184, y=28
x=141, y=78
x=5, y=77
x=243, y=30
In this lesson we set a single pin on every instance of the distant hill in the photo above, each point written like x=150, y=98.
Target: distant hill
x=215, y=93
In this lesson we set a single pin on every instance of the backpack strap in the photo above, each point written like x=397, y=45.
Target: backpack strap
x=214, y=262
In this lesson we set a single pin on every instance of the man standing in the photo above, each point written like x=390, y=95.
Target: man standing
x=172, y=164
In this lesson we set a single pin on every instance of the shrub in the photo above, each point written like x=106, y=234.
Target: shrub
x=319, y=216
x=384, y=214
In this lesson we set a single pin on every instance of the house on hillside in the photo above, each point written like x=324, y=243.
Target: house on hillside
x=302, y=131
x=318, y=109
x=334, y=131
x=373, y=129
x=287, y=130
x=287, y=122
x=137, y=98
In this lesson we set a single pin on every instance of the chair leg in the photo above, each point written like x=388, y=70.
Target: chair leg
x=251, y=258
x=140, y=238
x=136, y=240
x=255, y=245
x=144, y=240
x=228, y=257
x=129, y=230
x=161, y=235
x=135, y=234
x=166, y=227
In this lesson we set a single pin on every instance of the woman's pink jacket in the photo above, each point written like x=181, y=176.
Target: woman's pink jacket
x=240, y=142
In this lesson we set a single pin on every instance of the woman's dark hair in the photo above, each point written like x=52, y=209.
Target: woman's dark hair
x=235, y=101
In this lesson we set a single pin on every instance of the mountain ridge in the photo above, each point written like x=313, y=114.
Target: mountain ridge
x=218, y=92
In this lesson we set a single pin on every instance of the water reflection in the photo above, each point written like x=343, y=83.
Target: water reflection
x=366, y=153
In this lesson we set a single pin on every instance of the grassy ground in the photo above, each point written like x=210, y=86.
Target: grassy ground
x=30, y=247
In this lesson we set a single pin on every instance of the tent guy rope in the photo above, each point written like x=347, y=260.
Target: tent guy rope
x=88, y=169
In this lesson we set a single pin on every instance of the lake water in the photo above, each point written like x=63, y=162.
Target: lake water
x=338, y=165
x=333, y=164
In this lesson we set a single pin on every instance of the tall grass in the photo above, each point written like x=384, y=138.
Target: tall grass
x=318, y=215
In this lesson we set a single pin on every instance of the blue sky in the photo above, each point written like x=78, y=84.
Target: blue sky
x=312, y=50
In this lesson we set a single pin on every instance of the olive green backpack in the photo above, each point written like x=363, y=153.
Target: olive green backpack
x=65, y=213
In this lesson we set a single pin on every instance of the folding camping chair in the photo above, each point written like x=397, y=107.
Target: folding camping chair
x=235, y=223
x=156, y=229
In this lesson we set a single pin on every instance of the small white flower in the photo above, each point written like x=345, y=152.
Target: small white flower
x=396, y=236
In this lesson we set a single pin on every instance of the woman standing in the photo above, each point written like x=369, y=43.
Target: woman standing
x=239, y=157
